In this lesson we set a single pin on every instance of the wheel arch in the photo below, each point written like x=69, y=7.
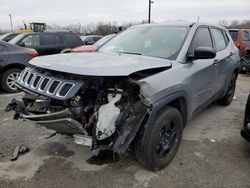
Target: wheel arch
x=13, y=65
x=178, y=100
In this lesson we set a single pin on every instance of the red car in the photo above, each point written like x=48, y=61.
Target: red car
x=241, y=38
x=92, y=48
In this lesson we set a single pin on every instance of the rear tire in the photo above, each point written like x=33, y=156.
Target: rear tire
x=162, y=140
x=8, y=80
x=228, y=98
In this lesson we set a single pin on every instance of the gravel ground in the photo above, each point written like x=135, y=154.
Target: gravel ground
x=212, y=154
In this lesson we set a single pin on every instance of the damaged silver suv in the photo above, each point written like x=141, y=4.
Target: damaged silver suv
x=136, y=91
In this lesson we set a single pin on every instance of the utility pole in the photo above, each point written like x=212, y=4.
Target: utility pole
x=11, y=25
x=149, y=10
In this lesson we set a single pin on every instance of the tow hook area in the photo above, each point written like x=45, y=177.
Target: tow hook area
x=17, y=106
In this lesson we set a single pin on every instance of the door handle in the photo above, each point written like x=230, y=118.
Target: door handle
x=216, y=61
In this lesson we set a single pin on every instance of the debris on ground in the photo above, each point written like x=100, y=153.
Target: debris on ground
x=199, y=155
x=19, y=150
x=49, y=134
x=213, y=140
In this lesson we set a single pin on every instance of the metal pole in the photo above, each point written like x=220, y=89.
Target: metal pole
x=11, y=25
x=149, y=10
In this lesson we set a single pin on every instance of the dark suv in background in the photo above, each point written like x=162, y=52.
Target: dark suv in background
x=48, y=42
x=241, y=38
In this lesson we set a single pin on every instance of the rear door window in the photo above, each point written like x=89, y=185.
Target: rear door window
x=202, y=38
x=226, y=37
x=48, y=39
x=219, y=39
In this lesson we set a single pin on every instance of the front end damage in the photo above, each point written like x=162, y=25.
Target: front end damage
x=109, y=110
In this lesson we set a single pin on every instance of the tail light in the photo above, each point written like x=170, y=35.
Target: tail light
x=32, y=53
x=238, y=45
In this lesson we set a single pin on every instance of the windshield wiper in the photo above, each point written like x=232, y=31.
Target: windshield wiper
x=133, y=53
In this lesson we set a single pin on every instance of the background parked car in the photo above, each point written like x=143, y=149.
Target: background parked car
x=245, y=133
x=92, y=48
x=90, y=39
x=12, y=60
x=241, y=38
x=8, y=36
x=47, y=43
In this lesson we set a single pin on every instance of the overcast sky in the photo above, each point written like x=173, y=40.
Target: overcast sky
x=64, y=12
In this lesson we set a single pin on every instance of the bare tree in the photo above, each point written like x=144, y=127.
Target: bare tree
x=223, y=23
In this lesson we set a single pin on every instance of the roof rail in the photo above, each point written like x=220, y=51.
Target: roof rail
x=51, y=31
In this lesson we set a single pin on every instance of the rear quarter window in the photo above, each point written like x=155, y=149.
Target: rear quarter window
x=71, y=38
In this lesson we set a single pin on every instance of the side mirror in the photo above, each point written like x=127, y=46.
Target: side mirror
x=202, y=53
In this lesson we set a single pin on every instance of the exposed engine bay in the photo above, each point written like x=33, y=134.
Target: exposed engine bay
x=109, y=110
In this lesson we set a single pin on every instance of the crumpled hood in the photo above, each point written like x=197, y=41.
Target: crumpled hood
x=99, y=64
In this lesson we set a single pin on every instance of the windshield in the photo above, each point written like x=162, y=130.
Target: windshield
x=158, y=41
x=83, y=38
x=104, y=39
x=16, y=39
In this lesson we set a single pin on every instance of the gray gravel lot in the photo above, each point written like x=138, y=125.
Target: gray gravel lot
x=212, y=154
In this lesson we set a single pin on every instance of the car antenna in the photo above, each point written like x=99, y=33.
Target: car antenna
x=198, y=19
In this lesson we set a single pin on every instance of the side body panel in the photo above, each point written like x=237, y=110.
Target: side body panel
x=201, y=80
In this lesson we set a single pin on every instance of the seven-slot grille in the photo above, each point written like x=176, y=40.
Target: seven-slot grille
x=59, y=88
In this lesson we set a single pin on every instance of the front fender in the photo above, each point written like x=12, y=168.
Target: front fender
x=161, y=104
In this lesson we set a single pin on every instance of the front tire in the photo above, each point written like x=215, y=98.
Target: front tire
x=228, y=98
x=8, y=80
x=161, y=140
